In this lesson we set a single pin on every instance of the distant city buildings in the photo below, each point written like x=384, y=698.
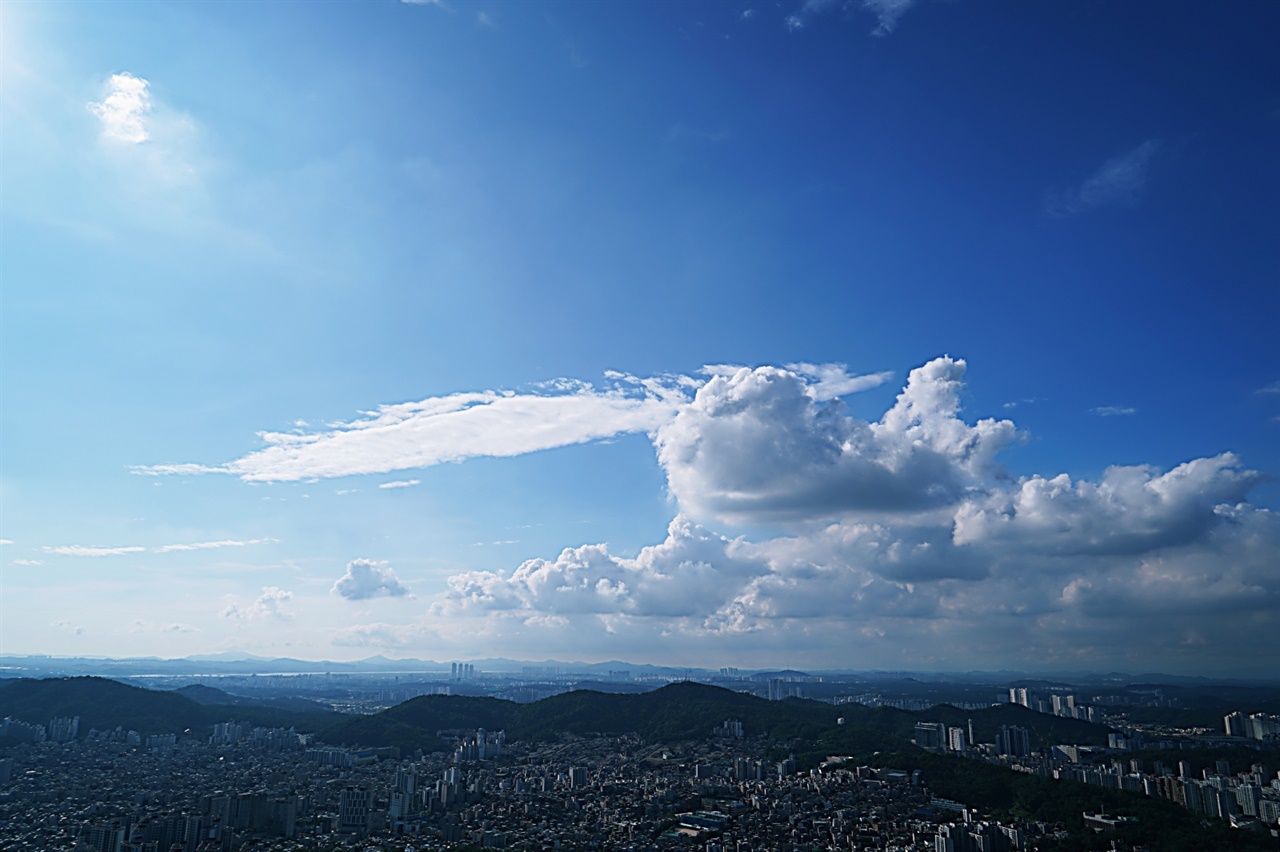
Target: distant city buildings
x=1258, y=726
x=780, y=688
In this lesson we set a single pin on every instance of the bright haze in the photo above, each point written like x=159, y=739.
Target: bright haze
x=897, y=334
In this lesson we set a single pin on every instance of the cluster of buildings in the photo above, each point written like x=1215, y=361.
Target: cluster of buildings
x=1245, y=799
x=1248, y=796
x=59, y=730
x=1058, y=703
x=1011, y=741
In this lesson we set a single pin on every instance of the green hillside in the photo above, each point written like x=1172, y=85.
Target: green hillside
x=678, y=711
x=688, y=710
x=413, y=724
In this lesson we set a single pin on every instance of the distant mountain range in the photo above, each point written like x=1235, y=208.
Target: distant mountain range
x=241, y=662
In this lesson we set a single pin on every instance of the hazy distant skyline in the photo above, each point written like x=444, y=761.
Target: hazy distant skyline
x=832, y=335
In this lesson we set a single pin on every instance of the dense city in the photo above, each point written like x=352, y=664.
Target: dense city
x=266, y=790
x=234, y=786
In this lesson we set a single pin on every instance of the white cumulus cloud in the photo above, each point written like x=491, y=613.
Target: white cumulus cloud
x=688, y=573
x=368, y=579
x=758, y=444
x=1133, y=509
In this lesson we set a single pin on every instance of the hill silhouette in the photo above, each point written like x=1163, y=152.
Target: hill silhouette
x=106, y=704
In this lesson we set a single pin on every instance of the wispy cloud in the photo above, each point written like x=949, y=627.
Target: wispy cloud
x=5, y=541
x=123, y=110
x=412, y=435
x=1274, y=387
x=1113, y=411
x=84, y=550
x=140, y=626
x=888, y=13
x=1120, y=182
x=1028, y=401
x=209, y=545
x=27, y=562
x=401, y=483
x=808, y=9
x=271, y=604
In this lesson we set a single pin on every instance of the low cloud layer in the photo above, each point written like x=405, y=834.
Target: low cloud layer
x=907, y=546
x=368, y=579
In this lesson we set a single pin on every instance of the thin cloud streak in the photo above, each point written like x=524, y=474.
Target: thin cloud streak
x=416, y=435
x=86, y=550
x=1119, y=182
x=209, y=545
x=400, y=483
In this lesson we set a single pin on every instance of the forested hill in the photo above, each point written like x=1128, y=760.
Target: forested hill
x=106, y=704
x=682, y=711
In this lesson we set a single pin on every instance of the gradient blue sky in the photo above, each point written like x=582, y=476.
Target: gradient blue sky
x=456, y=329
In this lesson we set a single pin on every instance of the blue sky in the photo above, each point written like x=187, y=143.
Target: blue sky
x=933, y=335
